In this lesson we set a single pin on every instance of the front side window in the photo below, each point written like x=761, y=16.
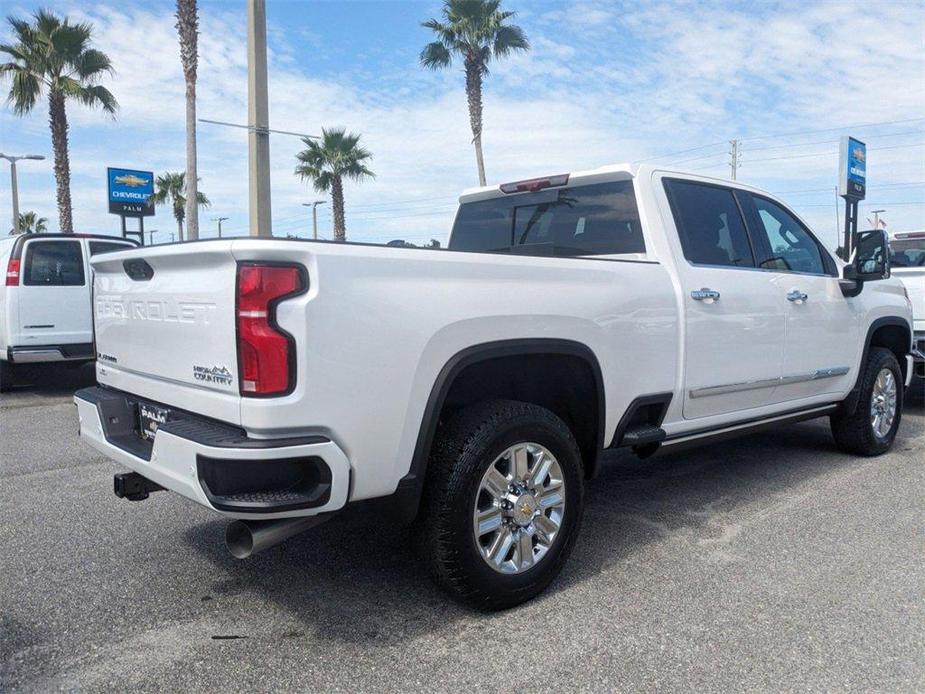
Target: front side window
x=790, y=247
x=710, y=224
x=54, y=264
x=598, y=219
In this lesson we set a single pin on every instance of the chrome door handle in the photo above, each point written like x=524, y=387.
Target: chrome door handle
x=704, y=294
x=797, y=297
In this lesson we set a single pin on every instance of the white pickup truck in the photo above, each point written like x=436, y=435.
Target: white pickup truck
x=475, y=387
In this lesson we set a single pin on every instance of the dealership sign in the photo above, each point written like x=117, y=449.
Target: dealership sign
x=852, y=169
x=130, y=192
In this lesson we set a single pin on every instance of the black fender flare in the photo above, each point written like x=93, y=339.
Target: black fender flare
x=411, y=485
x=850, y=402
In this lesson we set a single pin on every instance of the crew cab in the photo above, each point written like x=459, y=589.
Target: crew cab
x=473, y=389
x=45, y=313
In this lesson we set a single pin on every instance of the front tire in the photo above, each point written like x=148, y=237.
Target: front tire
x=871, y=429
x=502, y=503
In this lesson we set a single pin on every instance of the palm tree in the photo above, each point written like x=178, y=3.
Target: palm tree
x=31, y=223
x=188, y=31
x=474, y=31
x=171, y=188
x=53, y=56
x=326, y=164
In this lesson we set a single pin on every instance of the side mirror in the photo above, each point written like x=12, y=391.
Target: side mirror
x=871, y=257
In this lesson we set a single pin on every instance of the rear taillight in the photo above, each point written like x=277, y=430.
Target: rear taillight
x=12, y=273
x=266, y=359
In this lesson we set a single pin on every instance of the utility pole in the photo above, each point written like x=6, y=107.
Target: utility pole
x=220, y=220
x=258, y=120
x=734, y=157
x=314, y=206
x=14, y=188
x=876, y=214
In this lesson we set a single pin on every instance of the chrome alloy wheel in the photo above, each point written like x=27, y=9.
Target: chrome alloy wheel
x=883, y=403
x=519, y=508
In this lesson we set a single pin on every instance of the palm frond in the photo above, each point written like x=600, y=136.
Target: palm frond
x=435, y=55
x=507, y=39
x=91, y=64
x=337, y=153
x=24, y=92
x=98, y=95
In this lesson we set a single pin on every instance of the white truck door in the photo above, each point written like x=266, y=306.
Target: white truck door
x=734, y=320
x=823, y=344
x=54, y=296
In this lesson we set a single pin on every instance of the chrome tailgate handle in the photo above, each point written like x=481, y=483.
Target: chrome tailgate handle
x=705, y=294
x=797, y=297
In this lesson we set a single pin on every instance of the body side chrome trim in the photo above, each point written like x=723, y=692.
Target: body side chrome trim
x=769, y=382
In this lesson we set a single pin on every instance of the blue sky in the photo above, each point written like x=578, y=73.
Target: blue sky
x=604, y=83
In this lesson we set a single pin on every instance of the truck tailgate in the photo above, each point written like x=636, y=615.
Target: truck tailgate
x=165, y=325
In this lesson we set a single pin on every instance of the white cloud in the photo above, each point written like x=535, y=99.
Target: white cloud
x=604, y=83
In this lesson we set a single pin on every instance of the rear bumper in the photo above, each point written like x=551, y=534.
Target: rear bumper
x=217, y=465
x=45, y=353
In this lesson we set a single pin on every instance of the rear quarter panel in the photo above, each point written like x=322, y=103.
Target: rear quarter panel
x=377, y=326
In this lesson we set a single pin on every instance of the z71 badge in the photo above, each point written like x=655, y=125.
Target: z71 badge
x=215, y=374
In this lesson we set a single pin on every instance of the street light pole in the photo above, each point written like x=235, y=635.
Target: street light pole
x=220, y=220
x=14, y=188
x=258, y=119
x=314, y=206
x=151, y=233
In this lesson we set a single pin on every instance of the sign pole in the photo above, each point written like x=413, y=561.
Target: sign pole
x=852, y=186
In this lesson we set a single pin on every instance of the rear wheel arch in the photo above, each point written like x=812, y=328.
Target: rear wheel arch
x=471, y=376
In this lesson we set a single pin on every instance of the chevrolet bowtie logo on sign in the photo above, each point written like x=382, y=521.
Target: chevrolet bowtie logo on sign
x=132, y=181
x=130, y=192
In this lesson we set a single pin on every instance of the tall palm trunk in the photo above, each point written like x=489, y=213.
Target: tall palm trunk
x=337, y=202
x=178, y=215
x=474, y=96
x=188, y=31
x=192, y=189
x=57, y=120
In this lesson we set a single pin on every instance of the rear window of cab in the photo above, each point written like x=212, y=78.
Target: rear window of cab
x=581, y=220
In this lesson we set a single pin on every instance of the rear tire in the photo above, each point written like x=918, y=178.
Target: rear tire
x=502, y=503
x=6, y=376
x=871, y=429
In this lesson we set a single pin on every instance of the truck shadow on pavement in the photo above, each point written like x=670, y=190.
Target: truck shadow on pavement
x=356, y=579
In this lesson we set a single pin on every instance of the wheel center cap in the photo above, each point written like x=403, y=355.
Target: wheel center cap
x=523, y=509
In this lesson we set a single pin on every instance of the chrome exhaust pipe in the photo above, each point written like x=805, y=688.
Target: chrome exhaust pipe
x=246, y=537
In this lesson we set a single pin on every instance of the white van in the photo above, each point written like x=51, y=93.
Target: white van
x=45, y=301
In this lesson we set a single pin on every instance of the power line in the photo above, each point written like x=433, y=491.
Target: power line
x=828, y=130
x=829, y=189
x=814, y=154
x=790, y=134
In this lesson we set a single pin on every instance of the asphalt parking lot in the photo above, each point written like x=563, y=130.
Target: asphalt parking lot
x=769, y=563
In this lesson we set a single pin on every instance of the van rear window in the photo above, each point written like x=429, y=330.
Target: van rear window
x=597, y=219
x=54, y=264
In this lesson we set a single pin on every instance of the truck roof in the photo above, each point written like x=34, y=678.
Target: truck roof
x=610, y=172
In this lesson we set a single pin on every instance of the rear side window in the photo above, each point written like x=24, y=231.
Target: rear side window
x=710, y=224
x=54, y=264
x=598, y=219
x=97, y=247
